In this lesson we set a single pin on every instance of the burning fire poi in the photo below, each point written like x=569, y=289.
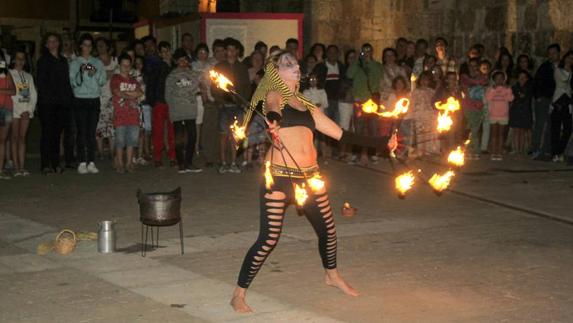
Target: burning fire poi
x=300, y=194
x=269, y=181
x=316, y=183
x=400, y=108
x=239, y=132
x=222, y=82
x=457, y=157
x=404, y=182
x=441, y=182
x=445, y=121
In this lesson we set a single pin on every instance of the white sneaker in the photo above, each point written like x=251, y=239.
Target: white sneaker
x=82, y=169
x=92, y=168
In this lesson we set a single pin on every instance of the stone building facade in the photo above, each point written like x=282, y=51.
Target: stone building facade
x=524, y=26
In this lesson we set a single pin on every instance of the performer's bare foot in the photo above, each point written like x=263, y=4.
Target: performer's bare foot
x=238, y=301
x=333, y=278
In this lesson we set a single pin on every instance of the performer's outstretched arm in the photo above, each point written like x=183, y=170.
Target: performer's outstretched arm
x=329, y=128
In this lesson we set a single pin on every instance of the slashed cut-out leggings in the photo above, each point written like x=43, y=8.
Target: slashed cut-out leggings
x=273, y=204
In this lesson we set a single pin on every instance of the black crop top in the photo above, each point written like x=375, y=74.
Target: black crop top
x=292, y=117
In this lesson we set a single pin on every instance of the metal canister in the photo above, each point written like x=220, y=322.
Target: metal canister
x=106, y=237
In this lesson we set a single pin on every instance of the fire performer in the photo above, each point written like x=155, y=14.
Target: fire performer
x=292, y=118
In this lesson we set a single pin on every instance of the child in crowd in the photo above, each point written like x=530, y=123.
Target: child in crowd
x=181, y=88
x=125, y=94
x=520, y=114
x=401, y=90
x=24, y=106
x=473, y=89
x=450, y=89
x=485, y=70
x=7, y=90
x=319, y=98
x=498, y=98
x=144, y=150
x=424, y=116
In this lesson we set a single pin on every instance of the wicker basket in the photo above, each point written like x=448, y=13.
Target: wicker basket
x=65, y=244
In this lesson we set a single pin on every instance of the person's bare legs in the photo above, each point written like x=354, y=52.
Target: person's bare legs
x=14, y=134
x=238, y=301
x=119, y=160
x=24, y=124
x=333, y=278
x=129, y=160
x=3, y=137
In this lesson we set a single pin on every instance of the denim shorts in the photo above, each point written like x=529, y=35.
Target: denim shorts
x=5, y=117
x=227, y=117
x=126, y=136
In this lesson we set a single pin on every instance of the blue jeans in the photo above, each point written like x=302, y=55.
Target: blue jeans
x=126, y=136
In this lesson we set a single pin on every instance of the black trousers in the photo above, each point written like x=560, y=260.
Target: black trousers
x=185, y=140
x=560, y=136
x=69, y=137
x=86, y=113
x=53, y=119
x=272, y=211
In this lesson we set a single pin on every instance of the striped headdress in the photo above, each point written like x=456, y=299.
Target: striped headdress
x=272, y=82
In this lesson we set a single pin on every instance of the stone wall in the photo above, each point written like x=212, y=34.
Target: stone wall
x=524, y=26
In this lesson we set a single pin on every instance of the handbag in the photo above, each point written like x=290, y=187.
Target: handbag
x=562, y=103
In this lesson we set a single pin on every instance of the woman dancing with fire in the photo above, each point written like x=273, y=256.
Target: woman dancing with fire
x=292, y=161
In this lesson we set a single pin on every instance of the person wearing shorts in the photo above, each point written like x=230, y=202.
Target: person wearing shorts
x=237, y=73
x=498, y=98
x=7, y=90
x=24, y=105
x=126, y=91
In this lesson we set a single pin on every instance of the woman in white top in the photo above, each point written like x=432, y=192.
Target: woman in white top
x=562, y=107
x=319, y=98
x=24, y=106
x=105, y=127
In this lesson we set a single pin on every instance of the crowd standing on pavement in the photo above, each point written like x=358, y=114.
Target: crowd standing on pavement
x=129, y=108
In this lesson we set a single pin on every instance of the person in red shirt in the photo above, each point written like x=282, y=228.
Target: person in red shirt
x=125, y=90
x=7, y=90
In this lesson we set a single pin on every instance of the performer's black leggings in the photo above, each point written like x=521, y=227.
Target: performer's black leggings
x=316, y=209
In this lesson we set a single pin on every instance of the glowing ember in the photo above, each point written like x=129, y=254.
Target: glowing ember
x=451, y=105
x=405, y=182
x=467, y=142
x=441, y=182
x=300, y=194
x=239, y=132
x=445, y=122
x=222, y=82
x=346, y=205
x=316, y=183
x=456, y=157
x=269, y=181
x=370, y=107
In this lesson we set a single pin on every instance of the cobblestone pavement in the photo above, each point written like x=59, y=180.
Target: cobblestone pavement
x=496, y=248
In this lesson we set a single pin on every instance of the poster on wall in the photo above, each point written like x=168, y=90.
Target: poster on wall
x=248, y=28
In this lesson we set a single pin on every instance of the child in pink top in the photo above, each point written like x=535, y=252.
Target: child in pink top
x=498, y=98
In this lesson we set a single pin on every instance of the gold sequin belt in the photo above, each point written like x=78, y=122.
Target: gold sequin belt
x=303, y=172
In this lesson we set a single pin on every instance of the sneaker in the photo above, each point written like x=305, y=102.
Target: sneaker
x=92, y=168
x=25, y=172
x=224, y=169
x=18, y=173
x=82, y=169
x=141, y=161
x=193, y=169
x=374, y=160
x=4, y=175
x=558, y=158
x=353, y=160
x=181, y=170
x=234, y=169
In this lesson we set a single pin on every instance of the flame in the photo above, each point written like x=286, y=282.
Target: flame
x=316, y=183
x=445, y=122
x=401, y=107
x=441, y=182
x=239, y=132
x=456, y=157
x=451, y=105
x=467, y=142
x=405, y=182
x=269, y=181
x=413, y=78
x=300, y=194
x=346, y=205
x=222, y=82
x=370, y=106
